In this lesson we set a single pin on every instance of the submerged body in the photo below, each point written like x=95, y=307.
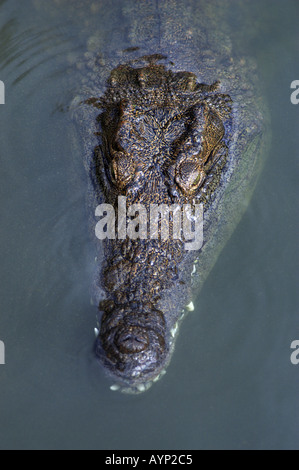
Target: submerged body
x=175, y=118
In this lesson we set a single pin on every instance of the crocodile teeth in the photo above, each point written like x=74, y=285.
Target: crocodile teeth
x=159, y=376
x=190, y=307
x=143, y=387
x=174, y=330
x=96, y=332
x=114, y=387
x=193, y=270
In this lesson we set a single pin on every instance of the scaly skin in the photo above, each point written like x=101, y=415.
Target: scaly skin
x=174, y=118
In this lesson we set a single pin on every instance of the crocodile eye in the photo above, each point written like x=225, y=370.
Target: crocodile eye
x=190, y=176
x=122, y=169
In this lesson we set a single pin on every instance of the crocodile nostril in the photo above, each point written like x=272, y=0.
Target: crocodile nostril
x=132, y=340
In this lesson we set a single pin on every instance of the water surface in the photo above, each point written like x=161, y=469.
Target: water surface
x=230, y=383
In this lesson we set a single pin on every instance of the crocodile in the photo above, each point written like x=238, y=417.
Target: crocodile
x=175, y=117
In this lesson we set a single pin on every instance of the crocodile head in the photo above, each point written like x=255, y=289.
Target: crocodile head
x=163, y=139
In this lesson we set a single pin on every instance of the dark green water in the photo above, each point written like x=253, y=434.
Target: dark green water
x=231, y=383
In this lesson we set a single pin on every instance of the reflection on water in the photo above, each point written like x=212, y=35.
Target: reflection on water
x=231, y=382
